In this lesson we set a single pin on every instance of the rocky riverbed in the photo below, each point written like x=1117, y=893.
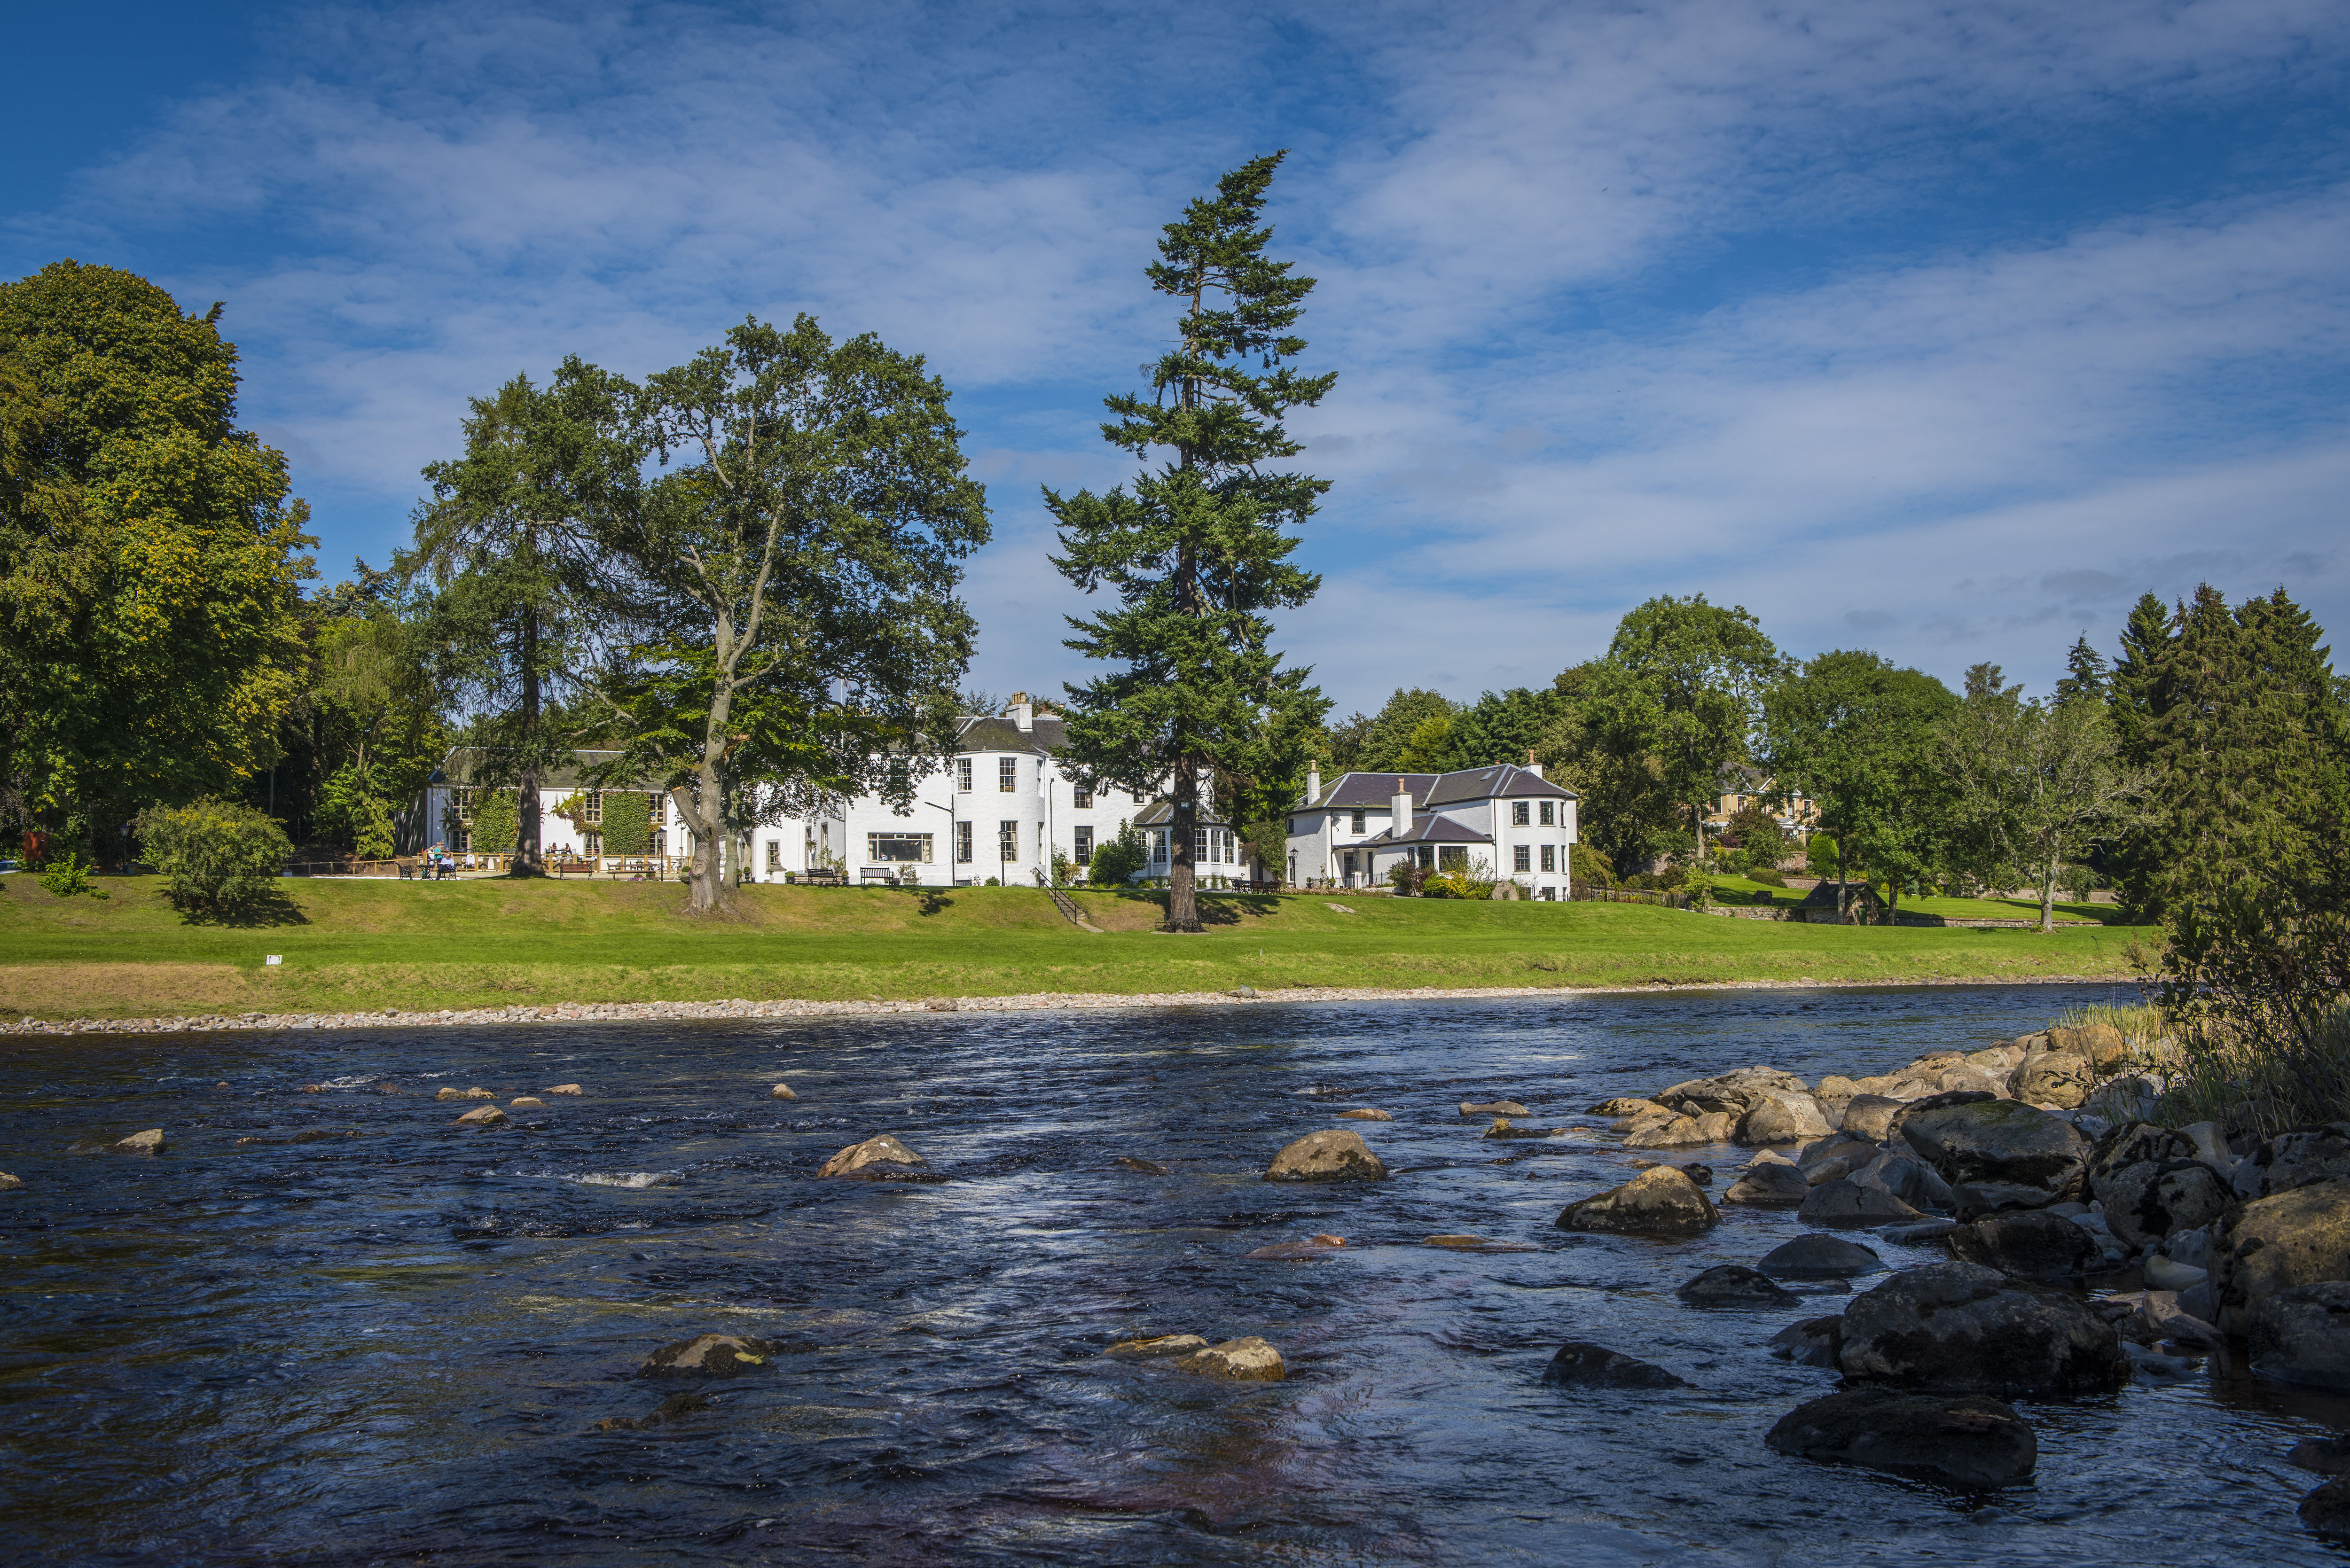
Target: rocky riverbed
x=1148, y=1285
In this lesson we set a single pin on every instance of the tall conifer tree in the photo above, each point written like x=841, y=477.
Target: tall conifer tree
x=1198, y=550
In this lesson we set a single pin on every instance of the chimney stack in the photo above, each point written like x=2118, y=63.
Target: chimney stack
x=1023, y=712
x=1314, y=781
x=1402, y=810
x=1533, y=766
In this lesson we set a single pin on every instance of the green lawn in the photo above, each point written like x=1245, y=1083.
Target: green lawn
x=1739, y=890
x=351, y=946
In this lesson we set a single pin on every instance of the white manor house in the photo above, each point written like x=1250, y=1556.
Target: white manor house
x=999, y=809
x=1510, y=820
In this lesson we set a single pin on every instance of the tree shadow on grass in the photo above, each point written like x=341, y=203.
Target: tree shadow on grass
x=270, y=908
x=1216, y=906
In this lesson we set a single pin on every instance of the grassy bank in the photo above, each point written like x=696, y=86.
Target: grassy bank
x=353, y=945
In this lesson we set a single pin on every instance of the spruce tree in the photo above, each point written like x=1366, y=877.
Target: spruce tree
x=2085, y=673
x=1197, y=550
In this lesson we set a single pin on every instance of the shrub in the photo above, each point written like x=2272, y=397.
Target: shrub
x=1820, y=855
x=1589, y=868
x=1769, y=876
x=1406, y=879
x=1116, y=863
x=222, y=858
x=69, y=877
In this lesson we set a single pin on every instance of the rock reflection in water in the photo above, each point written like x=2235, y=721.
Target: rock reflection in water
x=399, y=1342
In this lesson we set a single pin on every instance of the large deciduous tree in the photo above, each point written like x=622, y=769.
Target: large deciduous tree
x=1859, y=735
x=788, y=586
x=2034, y=784
x=150, y=557
x=509, y=540
x=1682, y=682
x=1198, y=550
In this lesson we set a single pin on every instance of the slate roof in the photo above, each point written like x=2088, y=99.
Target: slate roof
x=1501, y=781
x=1428, y=830
x=983, y=734
x=1159, y=813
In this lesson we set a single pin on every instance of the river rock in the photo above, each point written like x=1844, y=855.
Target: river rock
x=1670, y=1132
x=1621, y=1106
x=1661, y=1202
x=1826, y=1170
x=1965, y=1327
x=1312, y=1247
x=2301, y=1336
x=2296, y=1237
x=1783, y=1118
x=1156, y=1347
x=2164, y=1274
x=1148, y=1167
x=706, y=1356
x=1959, y=1439
x=1939, y=1100
x=2029, y=1245
x=1582, y=1365
x=2100, y=1044
x=1366, y=1115
x=2000, y=1154
x=1871, y=1116
x=1769, y=1187
x=1848, y=1202
x=1735, y=1285
x=781, y=1092
x=669, y=1409
x=1971, y=1079
x=148, y=1142
x=1496, y=1108
x=1502, y=1129
x=2055, y=1079
x=1735, y=1093
x=449, y=1092
x=526, y=1100
x=1338, y=1154
x=2294, y=1159
x=2327, y=1456
x=483, y=1117
x=2325, y=1513
x=1811, y=1342
x=563, y=1089
x=1248, y=1359
x=1817, y=1257
x=9, y=1183
x=874, y=1160
x=1700, y=1174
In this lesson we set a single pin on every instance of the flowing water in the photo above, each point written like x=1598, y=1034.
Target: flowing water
x=369, y=1335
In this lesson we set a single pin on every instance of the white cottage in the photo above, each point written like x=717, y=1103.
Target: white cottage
x=1002, y=807
x=1354, y=832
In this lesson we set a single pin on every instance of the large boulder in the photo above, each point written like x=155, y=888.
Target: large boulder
x=1817, y=1257
x=1783, y=1117
x=1771, y=1186
x=2326, y=1511
x=2303, y=1335
x=2000, y=1154
x=2151, y=1200
x=1673, y=1131
x=2294, y=1159
x=2297, y=1238
x=1965, y=1327
x=1735, y=1285
x=2053, y=1079
x=2031, y=1245
x=875, y=1159
x=1337, y=1154
x=1871, y=1116
x=1660, y=1202
x=1736, y=1093
x=1579, y=1364
x=1846, y=1203
x=1962, y=1439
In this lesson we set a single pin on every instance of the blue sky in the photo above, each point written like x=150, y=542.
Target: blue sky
x=1944, y=329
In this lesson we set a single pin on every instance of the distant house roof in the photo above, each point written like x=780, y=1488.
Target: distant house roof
x=983, y=735
x=1501, y=780
x=463, y=764
x=1159, y=813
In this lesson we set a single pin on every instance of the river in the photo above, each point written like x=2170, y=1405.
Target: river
x=392, y=1341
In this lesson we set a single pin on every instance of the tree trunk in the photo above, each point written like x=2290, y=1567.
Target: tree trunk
x=2048, y=896
x=528, y=861
x=705, y=887
x=1182, y=878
